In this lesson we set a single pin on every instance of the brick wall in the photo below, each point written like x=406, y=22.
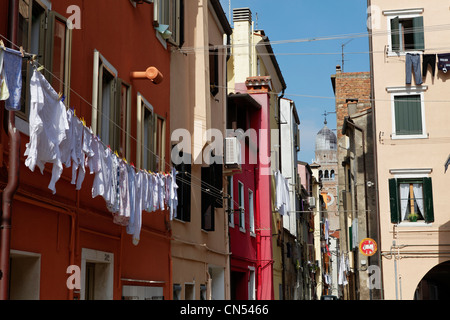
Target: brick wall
x=348, y=87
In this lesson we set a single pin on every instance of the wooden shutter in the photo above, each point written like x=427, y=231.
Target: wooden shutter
x=393, y=199
x=419, y=41
x=217, y=175
x=408, y=115
x=208, y=200
x=184, y=192
x=395, y=34
x=428, y=200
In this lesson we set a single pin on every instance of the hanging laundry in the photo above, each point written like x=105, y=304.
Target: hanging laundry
x=444, y=62
x=413, y=63
x=66, y=145
x=101, y=185
x=282, y=204
x=4, y=92
x=162, y=190
x=135, y=228
x=86, y=153
x=173, y=195
x=113, y=205
x=77, y=152
x=123, y=215
x=132, y=194
x=12, y=73
x=47, y=127
x=428, y=60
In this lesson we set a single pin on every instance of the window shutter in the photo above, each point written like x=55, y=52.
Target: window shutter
x=217, y=175
x=428, y=200
x=408, y=115
x=184, y=192
x=395, y=34
x=419, y=41
x=393, y=198
x=208, y=200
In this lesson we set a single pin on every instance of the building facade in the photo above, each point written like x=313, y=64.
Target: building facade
x=253, y=70
x=200, y=248
x=410, y=132
x=67, y=245
x=358, y=216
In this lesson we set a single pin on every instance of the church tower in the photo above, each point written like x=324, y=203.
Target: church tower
x=326, y=157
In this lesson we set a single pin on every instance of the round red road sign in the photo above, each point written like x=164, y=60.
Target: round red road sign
x=368, y=247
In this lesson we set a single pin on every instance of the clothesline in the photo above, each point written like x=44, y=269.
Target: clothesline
x=33, y=60
x=58, y=137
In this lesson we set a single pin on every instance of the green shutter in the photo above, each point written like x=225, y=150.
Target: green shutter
x=395, y=34
x=408, y=115
x=428, y=200
x=393, y=198
x=419, y=42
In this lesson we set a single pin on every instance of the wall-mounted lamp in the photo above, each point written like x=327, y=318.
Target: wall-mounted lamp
x=151, y=73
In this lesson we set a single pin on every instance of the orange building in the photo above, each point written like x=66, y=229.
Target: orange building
x=51, y=241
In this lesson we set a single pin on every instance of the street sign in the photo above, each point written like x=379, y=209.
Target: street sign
x=368, y=247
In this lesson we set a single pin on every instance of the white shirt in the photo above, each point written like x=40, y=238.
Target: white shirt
x=48, y=125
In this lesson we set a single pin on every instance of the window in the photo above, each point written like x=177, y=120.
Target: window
x=45, y=33
x=183, y=179
x=168, y=20
x=125, y=119
x=241, y=207
x=408, y=119
x=251, y=213
x=141, y=292
x=189, y=291
x=106, y=103
x=411, y=199
x=230, y=202
x=407, y=34
x=214, y=71
x=150, y=137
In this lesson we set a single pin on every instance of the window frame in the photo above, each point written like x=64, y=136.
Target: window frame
x=251, y=212
x=241, y=197
x=183, y=179
x=402, y=14
x=101, y=64
x=408, y=91
x=395, y=204
x=45, y=55
x=175, y=24
x=230, y=202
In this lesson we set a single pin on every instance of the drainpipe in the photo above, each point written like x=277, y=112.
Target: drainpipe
x=13, y=173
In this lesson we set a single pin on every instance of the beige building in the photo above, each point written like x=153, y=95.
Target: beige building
x=412, y=135
x=200, y=252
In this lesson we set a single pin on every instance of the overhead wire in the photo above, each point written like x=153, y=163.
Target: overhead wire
x=117, y=125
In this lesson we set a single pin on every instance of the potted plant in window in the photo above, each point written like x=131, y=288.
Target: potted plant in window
x=413, y=217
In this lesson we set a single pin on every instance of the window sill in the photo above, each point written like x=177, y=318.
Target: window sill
x=252, y=234
x=403, y=53
x=419, y=224
x=242, y=229
x=409, y=137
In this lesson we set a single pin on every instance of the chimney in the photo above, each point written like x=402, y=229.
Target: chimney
x=242, y=14
x=338, y=69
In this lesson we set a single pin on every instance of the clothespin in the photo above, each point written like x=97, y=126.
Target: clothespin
x=83, y=121
x=2, y=45
x=21, y=51
x=63, y=98
x=60, y=95
x=40, y=68
x=115, y=152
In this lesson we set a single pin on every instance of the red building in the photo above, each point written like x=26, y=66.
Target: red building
x=250, y=204
x=47, y=238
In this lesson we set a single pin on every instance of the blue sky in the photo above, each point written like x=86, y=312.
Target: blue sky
x=309, y=75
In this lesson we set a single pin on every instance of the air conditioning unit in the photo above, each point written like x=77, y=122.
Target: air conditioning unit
x=312, y=202
x=232, y=152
